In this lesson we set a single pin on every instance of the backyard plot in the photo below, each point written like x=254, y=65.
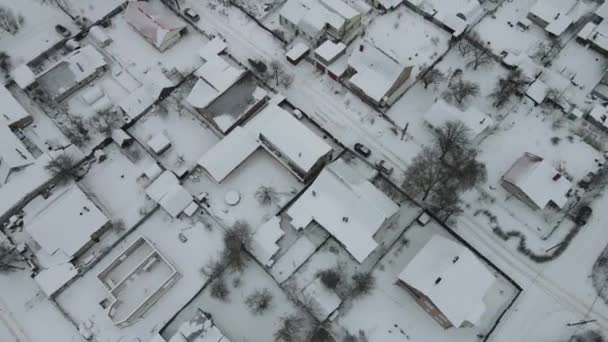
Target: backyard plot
x=189, y=138
x=84, y=299
x=260, y=170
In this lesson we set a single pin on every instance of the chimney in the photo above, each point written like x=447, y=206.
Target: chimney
x=557, y=177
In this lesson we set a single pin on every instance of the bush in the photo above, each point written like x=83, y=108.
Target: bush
x=62, y=167
x=291, y=329
x=259, y=301
x=219, y=290
x=236, y=240
x=363, y=283
x=331, y=278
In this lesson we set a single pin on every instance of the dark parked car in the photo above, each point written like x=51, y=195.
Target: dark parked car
x=383, y=168
x=362, y=149
x=190, y=14
x=583, y=215
x=63, y=31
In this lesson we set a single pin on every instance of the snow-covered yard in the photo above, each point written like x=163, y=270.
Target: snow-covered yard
x=81, y=300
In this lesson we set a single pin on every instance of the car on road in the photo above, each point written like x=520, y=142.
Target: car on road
x=583, y=215
x=381, y=166
x=190, y=14
x=63, y=31
x=363, y=150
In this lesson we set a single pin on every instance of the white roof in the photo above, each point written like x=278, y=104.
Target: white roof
x=176, y=200
x=63, y=223
x=292, y=138
x=156, y=26
x=452, y=277
x=159, y=142
x=213, y=48
x=140, y=100
x=602, y=11
x=325, y=300
x=264, y=241
x=538, y=91
x=340, y=7
x=555, y=13
x=330, y=50
x=535, y=177
x=297, y=51
x=13, y=154
x=84, y=62
x=600, y=115
x=167, y=192
x=228, y=153
x=358, y=209
x=120, y=137
x=11, y=112
x=559, y=25
x=52, y=279
x=23, y=76
x=100, y=35
x=441, y=112
x=376, y=73
x=311, y=16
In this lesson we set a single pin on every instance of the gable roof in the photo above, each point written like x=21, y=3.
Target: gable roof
x=536, y=178
x=13, y=154
x=152, y=24
x=452, y=277
x=358, y=209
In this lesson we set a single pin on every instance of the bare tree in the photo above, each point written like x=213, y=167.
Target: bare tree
x=219, y=289
x=464, y=47
x=320, y=333
x=460, y=89
x=362, y=284
x=432, y=76
x=360, y=337
x=424, y=174
x=266, y=195
x=275, y=69
x=5, y=63
x=9, y=21
x=292, y=328
x=479, y=57
x=546, y=50
x=330, y=277
x=9, y=258
x=63, y=168
x=506, y=87
x=236, y=240
x=105, y=121
x=76, y=129
x=259, y=301
x=451, y=135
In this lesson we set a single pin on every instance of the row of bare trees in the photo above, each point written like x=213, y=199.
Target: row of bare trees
x=440, y=173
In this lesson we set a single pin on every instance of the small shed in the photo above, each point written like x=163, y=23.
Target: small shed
x=329, y=51
x=121, y=138
x=100, y=36
x=297, y=53
x=159, y=143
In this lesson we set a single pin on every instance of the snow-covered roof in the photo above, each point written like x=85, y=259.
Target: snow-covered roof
x=264, y=240
x=228, y=153
x=167, y=192
x=292, y=138
x=213, y=48
x=324, y=300
x=13, y=154
x=99, y=35
x=311, y=16
x=139, y=101
x=555, y=13
x=329, y=50
x=216, y=75
x=602, y=11
x=84, y=62
x=441, y=112
x=389, y=4
x=297, y=51
x=600, y=115
x=377, y=72
x=154, y=25
x=55, y=277
x=538, y=91
x=538, y=180
x=159, y=143
x=65, y=222
x=358, y=208
x=597, y=34
x=12, y=112
x=198, y=329
x=23, y=76
x=120, y=137
x=452, y=277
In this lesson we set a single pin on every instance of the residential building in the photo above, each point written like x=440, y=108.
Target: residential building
x=14, y=157
x=64, y=224
x=535, y=182
x=314, y=19
x=348, y=206
x=449, y=282
x=455, y=22
x=12, y=112
x=160, y=28
x=385, y=5
x=553, y=16
x=376, y=76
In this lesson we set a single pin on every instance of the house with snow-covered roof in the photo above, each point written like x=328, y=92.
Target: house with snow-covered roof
x=14, y=157
x=376, y=76
x=161, y=29
x=314, y=19
x=348, y=206
x=449, y=282
x=535, y=182
x=455, y=18
x=554, y=16
x=12, y=112
x=64, y=224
